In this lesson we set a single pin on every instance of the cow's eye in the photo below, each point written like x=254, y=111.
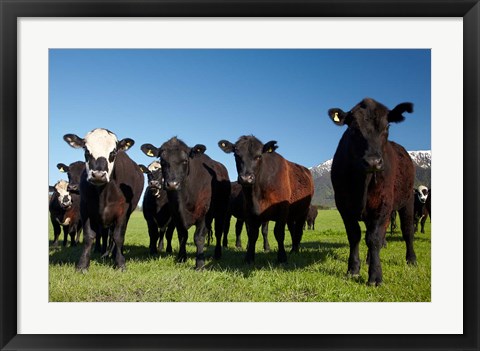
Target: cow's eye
x=184, y=162
x=112, y=155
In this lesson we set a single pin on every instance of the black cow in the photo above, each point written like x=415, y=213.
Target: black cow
x=419, y=199
x=74, y=171
x=64, y=209
x=311, y=216
x=198, y=189
x=372, y=177
x=110, y=189
x=156, y=210
x=274, y=188
x=236, y=208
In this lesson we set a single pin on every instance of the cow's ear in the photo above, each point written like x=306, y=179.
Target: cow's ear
x=144, y=169
x=338, y=116
x=125, y=144
x=51, y=189
x=198, y=149
x=150, y=150
x=74, y=141
x=73, y=188
x=396, y=115
x=269, y=147
x=63, y=168
x=226, y=146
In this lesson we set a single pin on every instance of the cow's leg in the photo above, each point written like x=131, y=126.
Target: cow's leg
x=169, y=236
x=354, y=234
x=105, y=238
x=253, y=226
x=56, y=231
x=422, y=223
x=219, y=224
x=226, y=229
x=296, y=235
x=118, y=239
x=72, y=231
x=238, y=233
x=199, y=238
x=279, y=231
x=182, y=243
x=266, y=245
x=98, y=241
x=406, y=218
x=65, y=235
x=89, y=235
x=375, y=238
x=153, y=235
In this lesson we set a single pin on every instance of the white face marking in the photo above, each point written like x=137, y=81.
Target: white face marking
x=100, y=143
x=422, y=193
x=62, y=189
x=154, y=166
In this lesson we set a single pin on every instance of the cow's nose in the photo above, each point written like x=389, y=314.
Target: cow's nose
x=98, y=177
x=247, y=178
x=154, y=184
x=374, y=163
x=173, y=185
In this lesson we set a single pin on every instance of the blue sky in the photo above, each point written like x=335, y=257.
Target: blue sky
x=203, y=96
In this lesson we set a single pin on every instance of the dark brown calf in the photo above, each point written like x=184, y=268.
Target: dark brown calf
x=372, y=177
x=274, y=188
x=198, y=189
x=311, y=216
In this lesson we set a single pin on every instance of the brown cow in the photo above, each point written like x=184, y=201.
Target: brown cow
x=275, y=189
x=372, y=177
x=312, y=215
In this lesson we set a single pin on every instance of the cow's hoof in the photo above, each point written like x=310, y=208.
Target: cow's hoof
x=249, y=259
x=374, y=283
x=169, y=250
x=354, y=276
x=218, y=253
x=199, y=265
x=122, y=268
x=412, y=262
x=83, y=270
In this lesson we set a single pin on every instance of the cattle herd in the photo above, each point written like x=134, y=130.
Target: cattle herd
x=372, y=177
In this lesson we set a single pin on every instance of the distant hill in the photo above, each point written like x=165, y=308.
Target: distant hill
x=323, y=186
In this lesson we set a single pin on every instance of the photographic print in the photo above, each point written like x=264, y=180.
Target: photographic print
x=161, y=159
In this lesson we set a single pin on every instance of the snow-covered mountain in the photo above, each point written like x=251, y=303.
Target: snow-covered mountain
x=422, y=160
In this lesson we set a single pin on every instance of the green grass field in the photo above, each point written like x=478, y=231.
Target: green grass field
x=317, y=273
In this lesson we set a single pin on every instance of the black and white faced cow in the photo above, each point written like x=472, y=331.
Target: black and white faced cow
x=274, y=188
x=156, y=210
x=372, y=177
x=420, y=198
x=65, y=212
x=198, y=189
x=110, y=189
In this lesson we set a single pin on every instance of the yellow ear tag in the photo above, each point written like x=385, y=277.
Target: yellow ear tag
x=335, y=117
x=129, y=144
x=150, y=153
x=61, y=169
x=223, y=144
x=270, y=150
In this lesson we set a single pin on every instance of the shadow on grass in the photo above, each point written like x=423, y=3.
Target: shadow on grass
x=397, y=237
x=232, y=258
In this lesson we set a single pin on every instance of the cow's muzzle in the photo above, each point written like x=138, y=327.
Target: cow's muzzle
x=247, y=179
x=172, y=186
x=98, y=177
x=373, y=164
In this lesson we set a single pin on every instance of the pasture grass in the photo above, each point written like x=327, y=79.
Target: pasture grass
x=316, y=273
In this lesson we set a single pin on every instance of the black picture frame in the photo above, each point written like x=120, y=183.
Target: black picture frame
x=11, y=10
